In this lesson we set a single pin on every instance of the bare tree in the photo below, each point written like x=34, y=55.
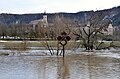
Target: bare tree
x=60, y=24
x=91, y=31
x=3, y=30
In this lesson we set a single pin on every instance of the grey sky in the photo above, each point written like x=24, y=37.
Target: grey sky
x=51, y=6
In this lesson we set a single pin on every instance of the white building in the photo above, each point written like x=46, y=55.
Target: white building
x=108, y=30
x=43, y=21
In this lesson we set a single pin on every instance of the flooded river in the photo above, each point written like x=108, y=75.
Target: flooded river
x=76, y=66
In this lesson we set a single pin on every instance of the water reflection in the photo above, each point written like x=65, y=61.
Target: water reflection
x=71, y=67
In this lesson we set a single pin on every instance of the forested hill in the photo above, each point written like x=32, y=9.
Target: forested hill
x=112, y=14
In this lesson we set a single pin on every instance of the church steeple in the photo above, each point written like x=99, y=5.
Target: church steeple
x=44, y=12
x=45, y=18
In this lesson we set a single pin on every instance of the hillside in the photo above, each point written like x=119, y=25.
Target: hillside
x=112, y=14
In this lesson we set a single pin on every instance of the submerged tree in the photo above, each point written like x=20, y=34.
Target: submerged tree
x=91, y=31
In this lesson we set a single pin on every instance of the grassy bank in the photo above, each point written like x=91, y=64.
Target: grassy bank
x=25, y=44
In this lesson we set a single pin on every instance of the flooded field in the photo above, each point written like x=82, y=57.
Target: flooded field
x=78, y=65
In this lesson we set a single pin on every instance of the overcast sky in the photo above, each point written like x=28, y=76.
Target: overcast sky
x=52, y=6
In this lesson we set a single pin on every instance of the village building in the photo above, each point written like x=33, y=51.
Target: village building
x=109, y=30
x=43, y=21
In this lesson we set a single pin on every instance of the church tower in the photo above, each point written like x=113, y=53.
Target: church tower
x=45, y=20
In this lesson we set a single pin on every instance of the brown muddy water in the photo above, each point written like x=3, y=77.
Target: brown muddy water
x=76, y=66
